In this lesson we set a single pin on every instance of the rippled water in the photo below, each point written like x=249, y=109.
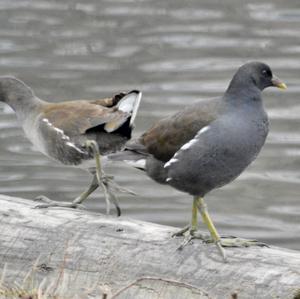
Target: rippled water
x=176, y=52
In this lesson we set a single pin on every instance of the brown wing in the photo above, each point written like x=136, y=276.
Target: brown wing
x=109, y=102
x=76, y=117
x=165, y=138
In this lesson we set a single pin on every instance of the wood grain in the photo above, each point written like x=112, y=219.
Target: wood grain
x=124, y=258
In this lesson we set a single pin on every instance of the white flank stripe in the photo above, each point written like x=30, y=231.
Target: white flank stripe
x=170, y=162
x=203, y=130
x=168, y=179
x=63, y=135
x=74, y=146
x=61, y=132
x=188, y=144
x=193, y=141
x=185, y=147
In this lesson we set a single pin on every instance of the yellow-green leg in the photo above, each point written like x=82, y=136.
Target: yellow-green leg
x=99, y=179
x=194, y=222
x=84, y=195
x=223, y=241
x=210, y=225
x=102, y=179
x=190, y=230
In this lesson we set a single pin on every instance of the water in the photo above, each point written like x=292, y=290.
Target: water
x=176, y=52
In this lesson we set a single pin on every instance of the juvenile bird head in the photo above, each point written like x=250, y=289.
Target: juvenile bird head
x=14, y=92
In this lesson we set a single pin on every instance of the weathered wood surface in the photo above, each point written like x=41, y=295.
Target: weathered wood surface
x=81, y=251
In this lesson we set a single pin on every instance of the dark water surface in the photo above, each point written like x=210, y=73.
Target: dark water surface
x=177, y=52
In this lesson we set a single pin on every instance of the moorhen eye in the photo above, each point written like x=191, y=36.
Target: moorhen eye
x=266, y=73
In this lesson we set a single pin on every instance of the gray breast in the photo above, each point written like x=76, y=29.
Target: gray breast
x=218, y=154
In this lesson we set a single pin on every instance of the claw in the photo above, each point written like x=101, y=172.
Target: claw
x=186, y=241
x=221, y=250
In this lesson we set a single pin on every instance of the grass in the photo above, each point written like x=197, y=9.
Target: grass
x=54, y=286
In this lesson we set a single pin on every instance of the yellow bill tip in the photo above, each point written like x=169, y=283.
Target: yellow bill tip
x=282, y=85
x=278, y=83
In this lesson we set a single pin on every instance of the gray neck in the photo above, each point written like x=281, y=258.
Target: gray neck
x=243, y=93
x=242, y=82
x=28, y=108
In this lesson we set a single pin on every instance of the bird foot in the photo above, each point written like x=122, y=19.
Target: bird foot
x=189, y=234
x=52, y=203
x=229, y=241
x=110, y=187
x=225, y=241
x=106, y=182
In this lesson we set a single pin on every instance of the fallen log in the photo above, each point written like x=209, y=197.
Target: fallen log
x=81, y=254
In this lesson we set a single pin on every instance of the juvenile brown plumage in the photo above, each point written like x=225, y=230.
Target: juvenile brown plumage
x=73, y=132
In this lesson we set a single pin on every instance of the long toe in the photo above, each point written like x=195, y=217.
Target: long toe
x=187, y=230
x=60, y=205
x=189, y=234
x=48, y=203
x=181, y=232
x=43, y=198
x=112, y=185
x=187, y=239
x=111, y=197
x=239, y=242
